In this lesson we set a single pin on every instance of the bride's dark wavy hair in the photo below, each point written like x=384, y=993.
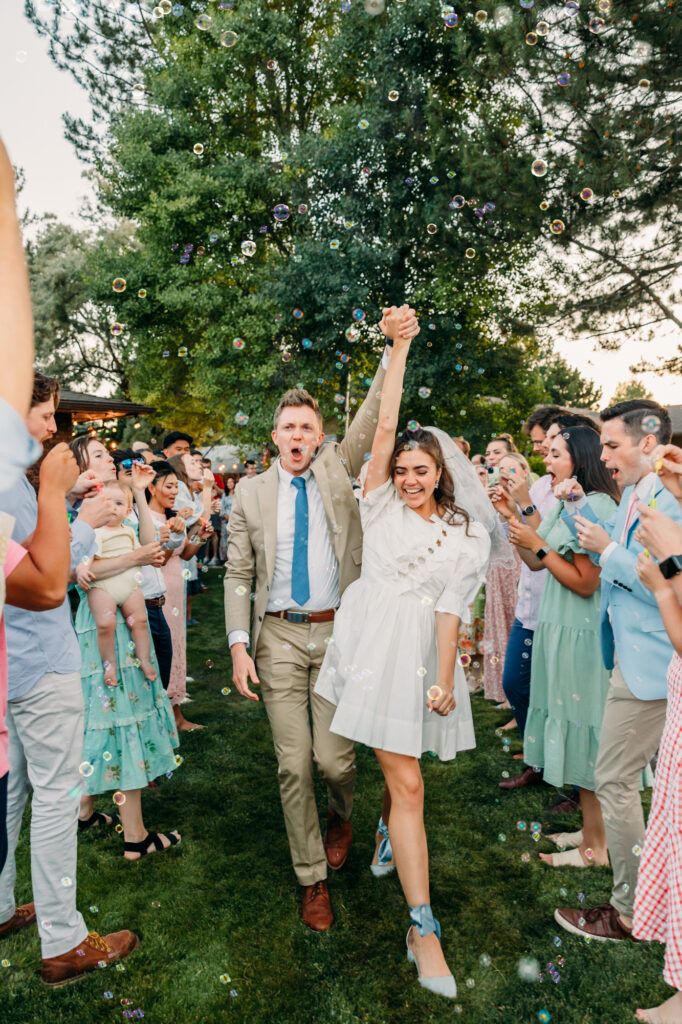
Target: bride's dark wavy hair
x=444, y=492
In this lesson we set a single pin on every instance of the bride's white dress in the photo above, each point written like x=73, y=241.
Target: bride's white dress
x=382, y=657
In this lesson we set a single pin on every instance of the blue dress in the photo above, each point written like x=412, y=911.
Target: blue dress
x=130, y=733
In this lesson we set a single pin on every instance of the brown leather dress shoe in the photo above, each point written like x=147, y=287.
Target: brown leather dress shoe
x=317, y=908
x=87, y=956
x=337, y=840
x=528, y=778
x=601, y=923
x=22, y=918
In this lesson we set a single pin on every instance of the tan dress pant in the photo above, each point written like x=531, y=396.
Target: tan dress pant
x=630, y=734
x=288, y=660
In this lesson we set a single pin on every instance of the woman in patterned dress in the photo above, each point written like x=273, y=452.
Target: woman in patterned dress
x=161, y=496
x=658, y=901
x=500, y=591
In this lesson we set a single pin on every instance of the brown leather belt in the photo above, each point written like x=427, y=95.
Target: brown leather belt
x=155, y=602
x=293, y=616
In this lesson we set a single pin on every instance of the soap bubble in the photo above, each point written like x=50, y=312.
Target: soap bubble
x=238, y=343
x=424, y=392
x=182, y=352
x=651, y=424
x=421, y=671
x=119, y=799
x=297, y=314
x=544, y=1016
x=66, y=881
x=86, y=769
x=142, y=294
x=457, y=202
x=116, y=329
x=413, y=425
x=469, y=253
x=334, y=244
x=451, y=20
x=528, y=969
x=204, y=22
x=542, y=28
x=544, y=205
x=587, y=195
x=248, y=248
x=198, y=148
x=556, y=227
x=564, y=78
x=644, y=85
x=358, y=314
x=481, y=17
x=228, y=39
x=531, y=38
x=597, y=25
x=241, y=418
x=431, y=228
x=119, y=284
x=538, y=168
x=363, y=124
x=572, y=7
x=393, y=95
x=281, y=212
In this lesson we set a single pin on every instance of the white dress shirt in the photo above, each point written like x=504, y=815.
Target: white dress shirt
x=531, y=584
x=643, y=489
x=323, y=567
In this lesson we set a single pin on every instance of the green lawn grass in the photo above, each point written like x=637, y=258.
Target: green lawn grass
x=226, y=901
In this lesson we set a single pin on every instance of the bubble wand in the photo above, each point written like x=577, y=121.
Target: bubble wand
x=653, y=500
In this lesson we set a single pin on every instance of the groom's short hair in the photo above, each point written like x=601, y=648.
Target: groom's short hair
x=296, y=398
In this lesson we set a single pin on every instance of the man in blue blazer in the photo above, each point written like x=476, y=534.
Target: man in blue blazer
x=636, y=647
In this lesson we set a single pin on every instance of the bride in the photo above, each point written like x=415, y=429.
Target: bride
x=391, y=666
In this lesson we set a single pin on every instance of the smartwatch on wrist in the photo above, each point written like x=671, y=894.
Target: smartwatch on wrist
x=541, y=553
x=528, y=510
x=671, y=566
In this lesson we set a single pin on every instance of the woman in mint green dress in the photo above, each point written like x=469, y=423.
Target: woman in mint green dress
x=129, y=730
x=568, y=680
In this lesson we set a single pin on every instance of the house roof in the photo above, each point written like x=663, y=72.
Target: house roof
x=93, y=407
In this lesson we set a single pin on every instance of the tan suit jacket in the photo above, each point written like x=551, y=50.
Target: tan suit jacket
x=252, y=538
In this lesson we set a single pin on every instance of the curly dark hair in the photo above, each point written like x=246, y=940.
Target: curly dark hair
x=444, y=492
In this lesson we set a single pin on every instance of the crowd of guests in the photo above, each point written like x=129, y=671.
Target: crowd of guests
x=579, y=631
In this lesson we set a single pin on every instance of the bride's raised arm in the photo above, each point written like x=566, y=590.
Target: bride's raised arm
x=400, y=325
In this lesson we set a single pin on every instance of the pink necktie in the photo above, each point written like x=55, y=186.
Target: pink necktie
x=634, y=501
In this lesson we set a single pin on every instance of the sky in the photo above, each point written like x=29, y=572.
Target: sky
x=35, y=94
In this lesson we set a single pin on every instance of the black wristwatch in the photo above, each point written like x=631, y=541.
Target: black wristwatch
x=671, y=566
x=528, y=510
x=541, y=553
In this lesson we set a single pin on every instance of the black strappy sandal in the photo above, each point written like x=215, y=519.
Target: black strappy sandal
x=152, y=837
x=97, y=818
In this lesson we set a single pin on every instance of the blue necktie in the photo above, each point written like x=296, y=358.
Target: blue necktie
x=300, y=583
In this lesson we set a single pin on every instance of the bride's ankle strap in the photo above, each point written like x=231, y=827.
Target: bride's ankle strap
x=423, y=920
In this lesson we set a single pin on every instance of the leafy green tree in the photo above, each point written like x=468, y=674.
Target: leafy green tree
x=629, y=389
x=565, y=385
x=290, y=168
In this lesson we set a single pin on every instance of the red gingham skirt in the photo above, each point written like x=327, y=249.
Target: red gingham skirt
x=658, y=901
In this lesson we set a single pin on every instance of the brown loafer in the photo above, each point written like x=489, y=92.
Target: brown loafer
x=22, y=918
x=317, y=908
x=93, y=951
x=528, y=778
x=337, y=840
x=600, y=923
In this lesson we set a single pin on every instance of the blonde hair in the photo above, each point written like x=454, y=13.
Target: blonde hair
x=520, y=459
x=296, y=398
x=114, y=485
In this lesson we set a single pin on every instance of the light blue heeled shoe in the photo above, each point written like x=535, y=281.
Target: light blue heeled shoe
x=385, y=863
x=423, y=920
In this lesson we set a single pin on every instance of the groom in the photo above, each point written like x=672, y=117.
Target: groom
x=297, y=529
